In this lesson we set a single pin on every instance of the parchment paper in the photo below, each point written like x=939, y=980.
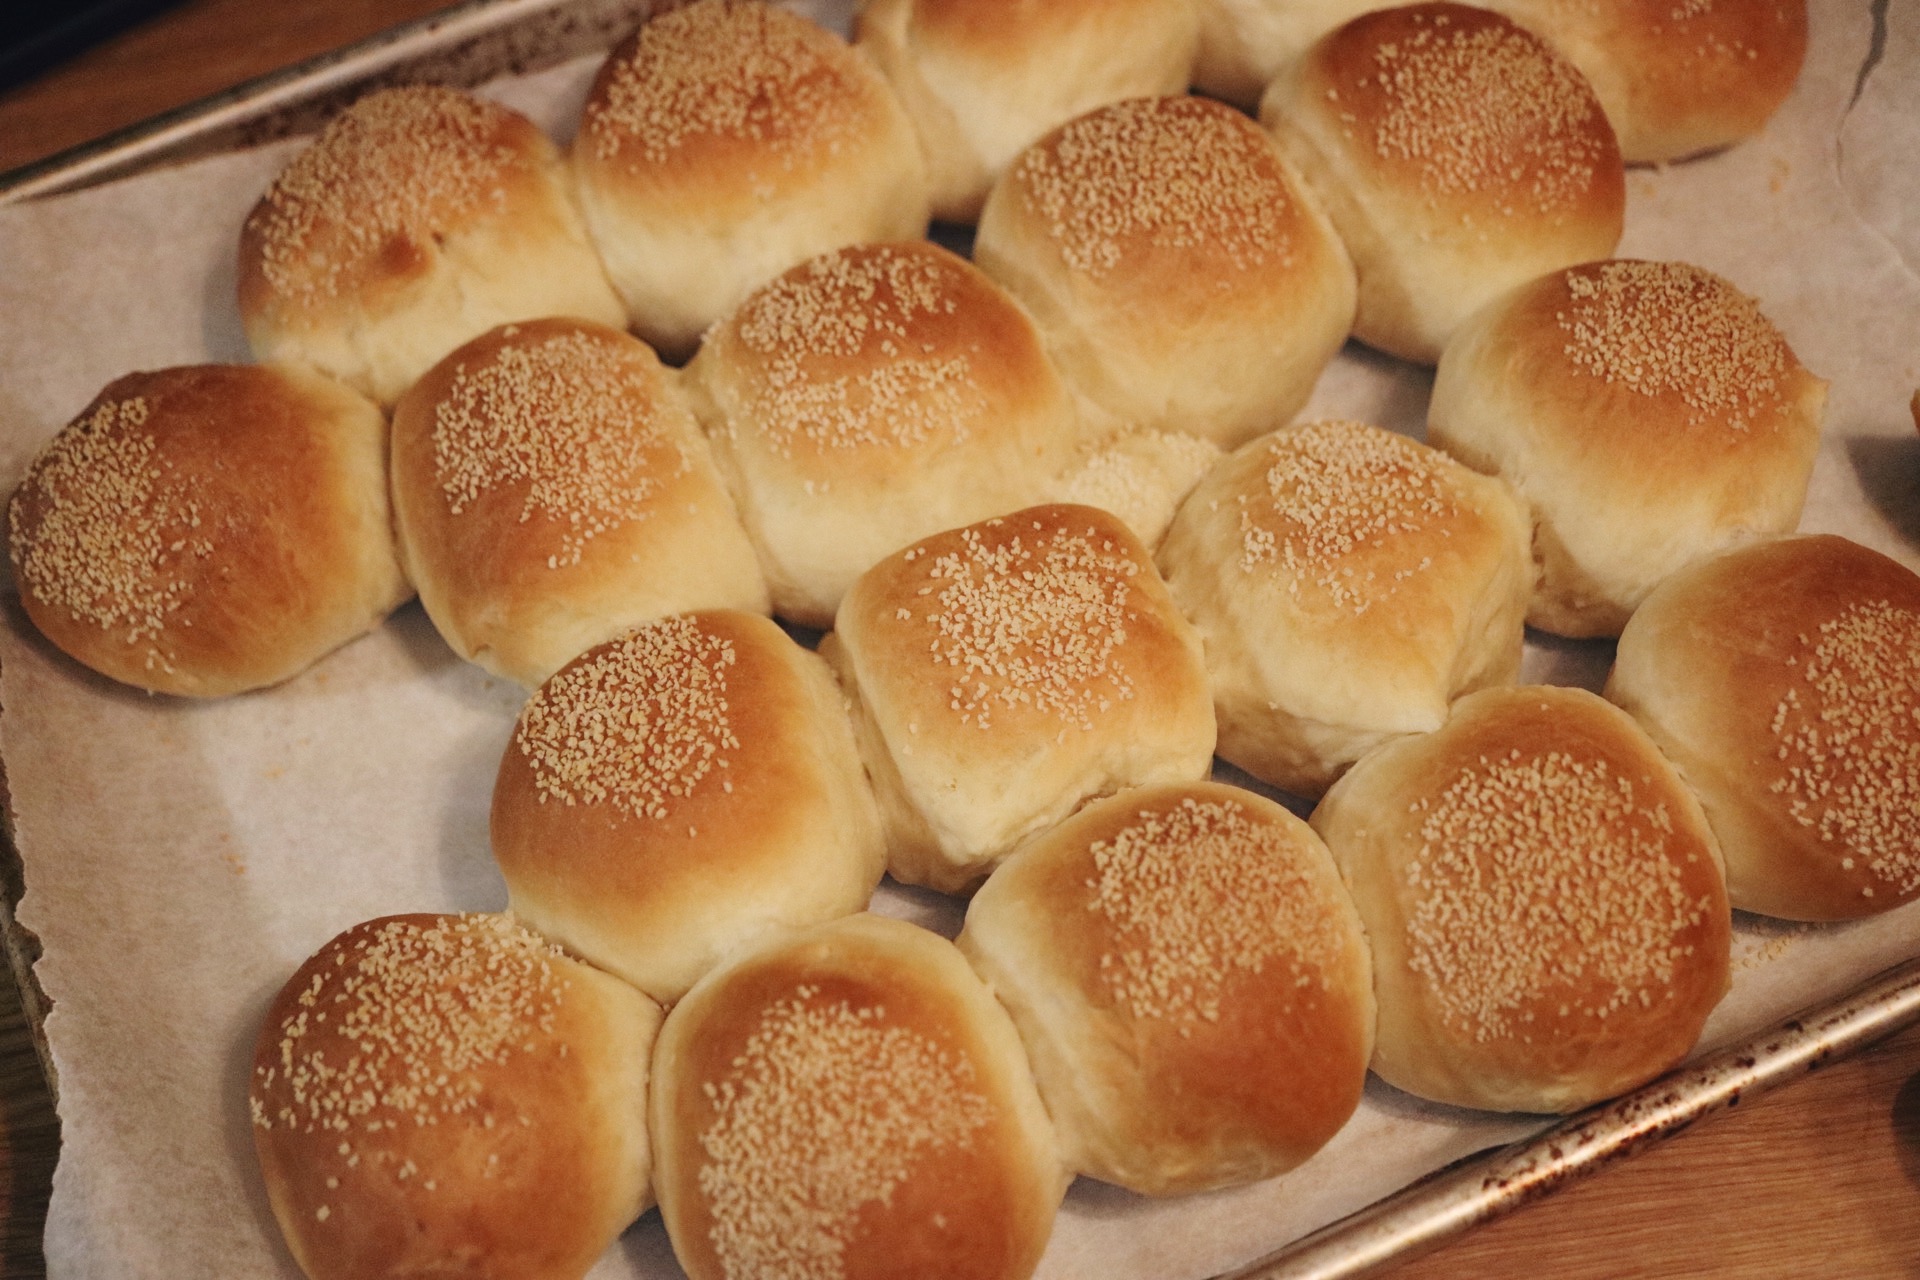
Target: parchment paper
x=182, y=859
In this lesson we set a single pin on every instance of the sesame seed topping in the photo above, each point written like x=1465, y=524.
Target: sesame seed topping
x=827, y=1109
x=570, y=420
x=1034, y=618
x=1336, y=491
x=1486, y=106
x=384, y=179
x=422, y=1009
x=118, y=525
x=868, y=306
x=1849, y=740
x=1667, y=328
x=1177, y=173
x=1198, y=893
x=635, y=723
x=727, y=69
x=1543, y=874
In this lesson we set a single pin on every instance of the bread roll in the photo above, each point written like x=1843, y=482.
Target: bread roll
x=1183, y=278
x=1458, y=156
x=1676, y=79
x=1245, y=43
x=679, y=791
x=727, y=141
x=870, y=397
x=552, y=489
x=1004, y=672
x=1783, y=679
x=1139, y=475
x=1348, y=583
x=451, y=1095
x=1646, y=411
x=208, y=529
x=421, y=217
x=1190, y=980
x=1546, y=905
x=851, y=1102
x=983, y=78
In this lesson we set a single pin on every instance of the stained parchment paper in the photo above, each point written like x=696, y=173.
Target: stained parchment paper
x=181, y=859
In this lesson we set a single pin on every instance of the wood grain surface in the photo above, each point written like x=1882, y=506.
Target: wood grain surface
x=1819, y=1178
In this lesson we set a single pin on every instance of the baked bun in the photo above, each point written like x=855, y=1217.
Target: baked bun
x=869, y=397
x=1646, y=411
x=679, y=791
x=1783, y=679
x=851, y=1101
x=209, y=529
x=1676, y=79
x=552, y=488
x=1190, y=980
x=1245, y=43
x=1005, y=672
x=726, y=141
x=1182, y=277
x=451, y=1095
x=1458, y=155
x=1545, y=902
x=1348, y=584
x=1139, y=475
x=984, y=78
x=421, y=217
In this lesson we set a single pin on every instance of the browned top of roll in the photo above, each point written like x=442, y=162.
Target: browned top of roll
x=1469, y=111
x=357, y=214
x=423, y=1082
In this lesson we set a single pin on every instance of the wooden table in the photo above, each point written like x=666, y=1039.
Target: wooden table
x=1819, y=1178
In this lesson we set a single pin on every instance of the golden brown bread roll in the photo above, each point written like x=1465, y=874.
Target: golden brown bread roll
x=421, y=217
x=1183, y=277
x=1545, y=902
x=726, y=141
x=1191, y=982
x=1245, y=43
x=851, y=1102
x=552, y=488
x=1003, y=673
x=1783, y=679
x=983, y=78
x=679, y=791
x=451, y=1095
x=1348, y=583
x=1458, y=155
x=1648, y=412
x=1142, y=476
x=1676, y=79
x=869, y=397
x=209, y=529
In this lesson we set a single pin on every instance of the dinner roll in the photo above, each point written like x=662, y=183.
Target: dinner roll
x=1191, y=982
x=1458, y=156
x=1546, y=905
x=869, y=397
x=1646, y=411
x=1183, y=278
x=676, y=792
x=724, y=142
x=1004, y=672
x=1348, y=584
x=1783, y=679
x=851, y=1101
x=209, y=529
x=425, y=1085
x=421, y=217
x=1140, y=475
x=1245, y=43
x=983, y=78
x=1676, y=79
x=552, y=488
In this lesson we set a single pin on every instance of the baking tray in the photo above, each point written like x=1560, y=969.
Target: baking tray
x=483, y=39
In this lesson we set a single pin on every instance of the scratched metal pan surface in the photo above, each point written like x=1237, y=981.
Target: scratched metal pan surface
x=486, y=38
